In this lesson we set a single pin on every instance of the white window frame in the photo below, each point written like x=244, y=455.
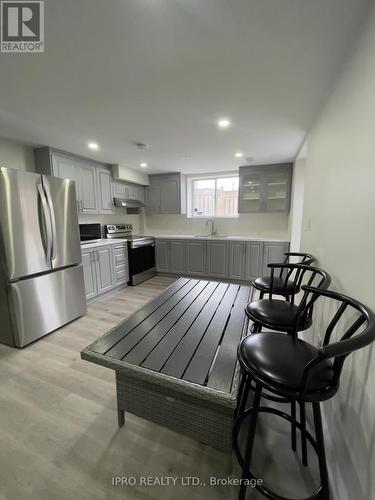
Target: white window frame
x=202, y=177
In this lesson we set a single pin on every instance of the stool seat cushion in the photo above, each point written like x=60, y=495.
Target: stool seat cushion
x=277, y=314
x=279, y=359
x=279, y=286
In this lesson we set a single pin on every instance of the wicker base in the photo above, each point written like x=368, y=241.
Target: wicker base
x=205, y=421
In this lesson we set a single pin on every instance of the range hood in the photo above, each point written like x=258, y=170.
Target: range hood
x=126, y=203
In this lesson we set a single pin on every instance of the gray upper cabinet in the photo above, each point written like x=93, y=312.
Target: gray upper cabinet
x=170, y=195
x=254, y=260
x=64, y=168
x=163, y=195
x=273, y=253
x=217, y=259
x=236, y=264
x=195, y=257
x=88, y=188
x=119, y=189
x=95, y=187
x=153, y=199
x=105, y=191
x=265, y=188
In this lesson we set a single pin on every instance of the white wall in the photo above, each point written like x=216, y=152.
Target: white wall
x=296, y=209
x=257, y=225
x=339, y=229
x=16, y=155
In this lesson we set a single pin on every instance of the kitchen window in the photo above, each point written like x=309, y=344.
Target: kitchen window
x=213, y=196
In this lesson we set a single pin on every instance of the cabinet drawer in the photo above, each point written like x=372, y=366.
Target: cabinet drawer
x=120, y=248
x=121, y=275
x=120, y=259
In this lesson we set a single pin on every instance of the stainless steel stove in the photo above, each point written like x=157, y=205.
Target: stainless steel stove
x=141, y=250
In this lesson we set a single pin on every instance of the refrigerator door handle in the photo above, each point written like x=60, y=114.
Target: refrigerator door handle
x=53, y=220
x=47, y=222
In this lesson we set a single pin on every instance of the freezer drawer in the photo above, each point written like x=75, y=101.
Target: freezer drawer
x=42, y=304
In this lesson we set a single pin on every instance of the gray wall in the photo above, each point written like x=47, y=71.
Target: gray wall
x=339, y=228
x=16, y=155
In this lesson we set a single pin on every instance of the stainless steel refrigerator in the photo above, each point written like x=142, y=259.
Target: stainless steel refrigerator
x=41, y=277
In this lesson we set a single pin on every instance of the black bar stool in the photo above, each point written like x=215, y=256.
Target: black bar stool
x=294, y=369
x=288, y=317
x=283, y=316
x=283, y=284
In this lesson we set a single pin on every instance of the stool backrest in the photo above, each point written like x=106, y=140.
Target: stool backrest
x=298, y=258
x=301, y=274
x=350, y=339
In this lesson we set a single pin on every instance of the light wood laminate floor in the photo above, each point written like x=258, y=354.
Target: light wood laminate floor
x=59, y=438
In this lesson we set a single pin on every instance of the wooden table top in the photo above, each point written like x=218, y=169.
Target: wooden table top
x=191, y=332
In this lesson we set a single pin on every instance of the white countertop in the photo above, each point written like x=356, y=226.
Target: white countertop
x=102, y=242
x=216, y=237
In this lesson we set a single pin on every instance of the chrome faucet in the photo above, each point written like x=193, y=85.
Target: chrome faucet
x=213, y=231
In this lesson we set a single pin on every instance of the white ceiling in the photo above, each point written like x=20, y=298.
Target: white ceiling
x=164, y=71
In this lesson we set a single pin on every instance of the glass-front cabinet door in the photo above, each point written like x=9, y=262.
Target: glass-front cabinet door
x=250, y=192
x=265, y=188
x=276, y=188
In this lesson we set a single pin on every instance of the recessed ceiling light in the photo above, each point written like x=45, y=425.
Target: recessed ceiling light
x=93, y=145
x=143, y=165
x=238, y=155
x=223, y=123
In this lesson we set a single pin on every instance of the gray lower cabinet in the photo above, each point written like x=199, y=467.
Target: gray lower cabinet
x=163, y=264
x=104, y=268
x=171, y=256
x=234, y=260
x=273, y=252
x=237, y=258
x=254, y=260
x=178, y=256
x=195, y=257
x=120, y=263
x=89, y=273
x=217, y=259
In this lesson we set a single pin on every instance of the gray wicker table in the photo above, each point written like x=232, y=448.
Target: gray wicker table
x=176, y=359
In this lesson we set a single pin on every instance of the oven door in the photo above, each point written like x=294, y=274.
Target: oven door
x=141, y=262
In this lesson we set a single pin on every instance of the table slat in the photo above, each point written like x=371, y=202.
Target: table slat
x=137, y=334
x=159, y=356
x=221, y=376
x=182, y=355
x=200, y=364
x=103, y=344
x=153, y=337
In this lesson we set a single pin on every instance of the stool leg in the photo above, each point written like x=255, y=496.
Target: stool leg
x=250, y=440
x=294, y=428
x=321, y=451
x=241, y=396
x=302, y=411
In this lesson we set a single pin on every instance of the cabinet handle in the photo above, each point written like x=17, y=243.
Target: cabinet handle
x=81, y=203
